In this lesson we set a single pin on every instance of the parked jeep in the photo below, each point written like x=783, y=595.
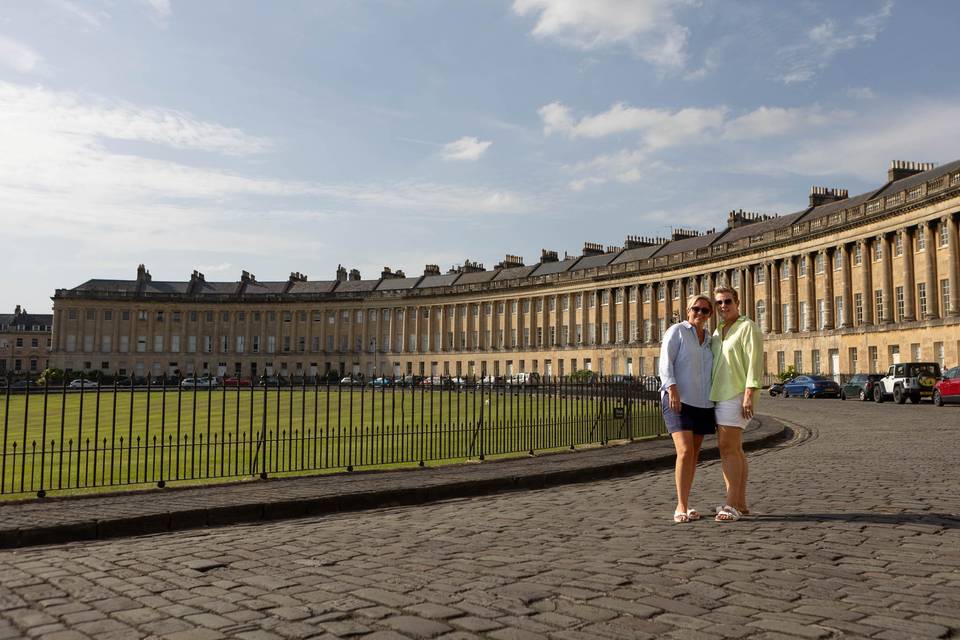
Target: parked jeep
x=909, y=380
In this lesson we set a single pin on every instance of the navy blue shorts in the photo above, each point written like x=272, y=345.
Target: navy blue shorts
x=701, y=421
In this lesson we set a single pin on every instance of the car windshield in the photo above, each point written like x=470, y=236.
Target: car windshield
x=928, y=368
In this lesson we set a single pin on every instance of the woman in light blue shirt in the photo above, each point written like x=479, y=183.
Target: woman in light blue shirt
x=686, y=361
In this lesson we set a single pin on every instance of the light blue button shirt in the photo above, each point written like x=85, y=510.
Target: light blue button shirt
x=686, y=363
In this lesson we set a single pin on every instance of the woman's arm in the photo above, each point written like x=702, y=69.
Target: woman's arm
x=669, y=349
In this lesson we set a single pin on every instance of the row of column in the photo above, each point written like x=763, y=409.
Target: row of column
x=494, y=325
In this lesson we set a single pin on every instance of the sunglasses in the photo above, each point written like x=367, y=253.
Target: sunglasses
x=702, y=310
x=720, y=303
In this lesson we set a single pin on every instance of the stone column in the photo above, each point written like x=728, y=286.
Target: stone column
x=533, y=322
x=828, y=321
x=612, y=316
x=654, y=312
x=847, y=284
x=748, y=291
x=811, y=322
x=886, y=240
x=598, y=318
x=639, y=313
x=953, y=264
x=866, y=280
x=625, y=315
x=767, y=326
x=774, y=283
x=557, y=319
x=909, y=277
x=584, y=317
x=930, y=262
x=571, y=319
x=668, y=302
x=794, y=296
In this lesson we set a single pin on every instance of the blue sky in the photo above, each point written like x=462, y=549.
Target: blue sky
x=296, y=136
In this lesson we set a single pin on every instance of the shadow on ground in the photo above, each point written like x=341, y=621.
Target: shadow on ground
x=948, y=520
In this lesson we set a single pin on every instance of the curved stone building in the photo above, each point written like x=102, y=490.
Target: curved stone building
x=846, y=284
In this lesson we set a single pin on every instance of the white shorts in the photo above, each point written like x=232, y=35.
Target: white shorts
x=730, y=413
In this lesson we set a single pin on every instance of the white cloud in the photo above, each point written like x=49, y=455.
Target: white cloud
x=766, y=122
x=161, y=11
x=801, y=62
x=466, y=148
x=59, y=179
x=649, y=28
x=861, y=93
x=91, y=19
x=864, y=146
x=64, y=113
x=658, y=128
x=18, y=56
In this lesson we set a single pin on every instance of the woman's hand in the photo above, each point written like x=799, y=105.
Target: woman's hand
x=674, y=398
x=747, y=408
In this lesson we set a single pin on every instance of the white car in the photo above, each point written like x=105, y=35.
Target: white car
x=198, y=383
x=82, y=384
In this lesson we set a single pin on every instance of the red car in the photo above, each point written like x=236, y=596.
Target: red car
x=236, y=382
x=948, y=388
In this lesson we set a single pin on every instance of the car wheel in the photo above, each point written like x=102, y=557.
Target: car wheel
x=843, y=394
x=937, y=400
x=899, y=396
x=786, y=394
x=806, y=393
x=863, y=395
x=773, y=394
x=878, y=393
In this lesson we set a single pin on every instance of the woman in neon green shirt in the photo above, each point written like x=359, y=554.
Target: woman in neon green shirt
x=737, y=367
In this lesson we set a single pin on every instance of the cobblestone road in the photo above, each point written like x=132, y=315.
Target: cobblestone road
x=857, y=534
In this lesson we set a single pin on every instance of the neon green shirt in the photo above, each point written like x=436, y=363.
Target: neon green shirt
x=737, y=359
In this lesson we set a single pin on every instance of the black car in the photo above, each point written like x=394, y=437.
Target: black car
x=860, y=386
x=776, y=389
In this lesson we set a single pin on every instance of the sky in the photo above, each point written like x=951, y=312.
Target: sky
x=272, y=137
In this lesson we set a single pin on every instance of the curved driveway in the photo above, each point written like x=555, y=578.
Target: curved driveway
x=857, y=534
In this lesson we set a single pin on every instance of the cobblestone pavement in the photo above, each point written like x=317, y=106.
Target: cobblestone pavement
x=857, y=534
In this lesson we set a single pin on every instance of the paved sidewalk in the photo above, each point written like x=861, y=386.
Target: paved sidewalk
x=856, y=535
x=53, y=520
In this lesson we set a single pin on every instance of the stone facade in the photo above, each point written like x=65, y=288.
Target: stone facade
x=846, y=284
x=25, y=340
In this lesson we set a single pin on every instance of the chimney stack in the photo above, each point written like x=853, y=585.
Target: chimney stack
x=510, y=262
x=548, y=256
x=354, y=274
x=680, y=234
x=431, y=270
x=341, y=273
x=740, y=218
x=823, y=195
x=592, y=249
x=900, y=169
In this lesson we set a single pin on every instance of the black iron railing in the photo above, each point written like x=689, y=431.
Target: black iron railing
x=89, y=435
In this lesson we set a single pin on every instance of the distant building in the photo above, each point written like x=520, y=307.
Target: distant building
x=844, y=284
x=25, y=340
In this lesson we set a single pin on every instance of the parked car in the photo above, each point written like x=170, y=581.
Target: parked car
x=272, y=381
x=948, y=388
x=776, y=389
x=811, y=387
x=236, y=382
x=350, y=380
x=907, y=381
x=381, y=382
x=199, y=383
x=82, y=384
x=860, y=386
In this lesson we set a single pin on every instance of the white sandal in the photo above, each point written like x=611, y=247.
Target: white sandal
x=726, y=513
x=679, y=517
x=693, y=514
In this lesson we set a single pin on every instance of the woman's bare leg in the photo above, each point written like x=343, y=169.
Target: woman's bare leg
x=734, y=464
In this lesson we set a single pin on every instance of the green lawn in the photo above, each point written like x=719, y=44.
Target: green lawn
x=86, y=440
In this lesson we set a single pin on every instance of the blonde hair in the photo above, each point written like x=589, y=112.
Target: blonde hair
x=730, y=290
x=692, y=300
